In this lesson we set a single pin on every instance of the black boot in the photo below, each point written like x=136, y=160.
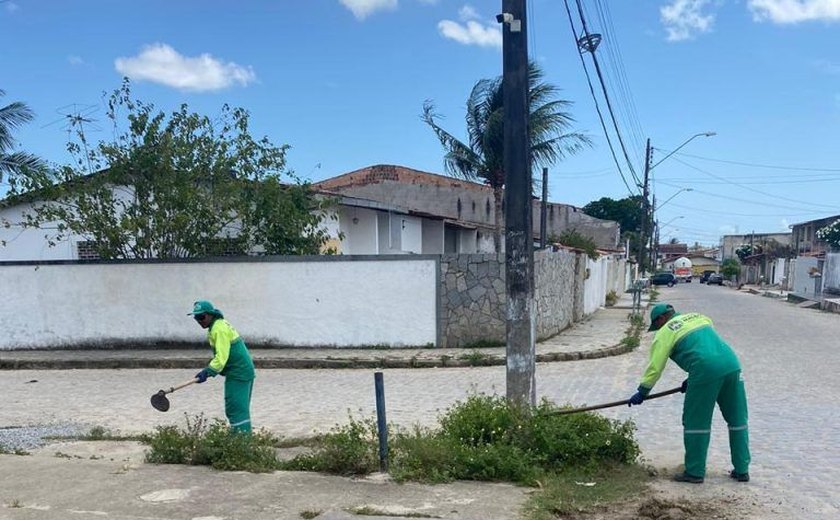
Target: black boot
x=685, y=477
x=740, y=477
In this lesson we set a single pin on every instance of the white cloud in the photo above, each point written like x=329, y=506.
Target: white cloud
x=728, y=229
x=795, y=11
x=468, y=12
x=828, y=67
x=75, y=60
x=472, y=33
x=361, y=9
x=10, y=7
x=160, y=63
x=683, y=19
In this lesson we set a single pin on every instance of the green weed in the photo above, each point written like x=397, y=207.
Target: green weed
x=351, y=449
x=215, y=445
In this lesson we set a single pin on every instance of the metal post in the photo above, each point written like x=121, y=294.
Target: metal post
x=381, y=423
x=519, y=228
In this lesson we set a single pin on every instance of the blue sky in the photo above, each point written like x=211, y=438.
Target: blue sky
x=343, y=83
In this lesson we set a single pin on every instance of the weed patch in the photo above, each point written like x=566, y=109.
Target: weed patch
x=372, y=511
x=215, y=445
x=8, y=451
x=482, y=438
x=309, y=514
x=611, y=298
x=351, y=449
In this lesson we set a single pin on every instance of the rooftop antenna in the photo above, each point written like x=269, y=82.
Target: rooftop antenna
x=75, y=117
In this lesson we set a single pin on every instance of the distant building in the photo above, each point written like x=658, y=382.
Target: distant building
x=805, y=241
x=729, y=243
x=466, y=209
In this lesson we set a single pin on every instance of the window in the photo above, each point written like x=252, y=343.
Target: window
x=86, y=250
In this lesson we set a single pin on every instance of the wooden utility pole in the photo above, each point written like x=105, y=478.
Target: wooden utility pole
x=543, y=208
x=519, y=238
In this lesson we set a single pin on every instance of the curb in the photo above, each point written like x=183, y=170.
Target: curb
x=479, y=359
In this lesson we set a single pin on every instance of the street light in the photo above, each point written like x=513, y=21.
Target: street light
x=669, y=222
x=656, y=208
x=648, y=210
x=702, y=134
x=655, y=248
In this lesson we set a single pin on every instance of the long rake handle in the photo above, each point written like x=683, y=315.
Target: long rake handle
x=182, y=385
x=615, y=403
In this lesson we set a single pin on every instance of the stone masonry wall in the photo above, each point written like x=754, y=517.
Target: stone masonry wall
x=472, y=307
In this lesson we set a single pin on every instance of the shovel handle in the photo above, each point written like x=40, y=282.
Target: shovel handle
x=615, y=403
x=182, y=385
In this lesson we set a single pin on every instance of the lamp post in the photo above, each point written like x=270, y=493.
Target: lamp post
x=648, y=210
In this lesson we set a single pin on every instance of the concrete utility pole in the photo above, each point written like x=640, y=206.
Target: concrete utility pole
x=645, y=193
x=519, y=239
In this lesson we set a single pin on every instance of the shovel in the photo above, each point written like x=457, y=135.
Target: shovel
x=614, y=403
x=159, y=400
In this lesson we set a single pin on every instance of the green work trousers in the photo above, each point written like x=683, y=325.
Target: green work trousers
x=699, y=405
x=238, y=404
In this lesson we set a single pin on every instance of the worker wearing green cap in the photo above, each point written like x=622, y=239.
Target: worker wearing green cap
x=714, y=376
x=230, y=359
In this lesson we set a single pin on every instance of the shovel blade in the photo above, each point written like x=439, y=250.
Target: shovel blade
x=160, y=402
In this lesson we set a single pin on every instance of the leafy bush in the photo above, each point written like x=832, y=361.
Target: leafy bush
x=572, y=238
x=730, y=268
x=351, y=449
x=213, y=445
x=481, y=438
x=830, y=234
x=611, y=298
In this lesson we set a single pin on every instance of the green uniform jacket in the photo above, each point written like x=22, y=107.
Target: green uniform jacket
x=691, y=341
x=231, y=358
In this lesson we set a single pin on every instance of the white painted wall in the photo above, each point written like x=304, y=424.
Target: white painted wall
x=359, y=226
x=339, y=301
x=28, y=243
x=595, y=287
x=411, y=228
x=467, y=242
x=831, y=272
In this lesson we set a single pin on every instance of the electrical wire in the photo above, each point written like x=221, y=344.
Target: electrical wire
x=597, y=105
x=756, y=165
x=607, y=97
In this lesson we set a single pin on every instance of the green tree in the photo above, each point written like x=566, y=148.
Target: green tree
x=182, y=185
x=730, y=268
x=481, y=157
x=14, y=164
x=628, y=212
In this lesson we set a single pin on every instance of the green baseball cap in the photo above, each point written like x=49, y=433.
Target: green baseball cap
x=658, y=310
x=205, y=307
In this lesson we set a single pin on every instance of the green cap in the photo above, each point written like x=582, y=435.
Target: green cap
x=205, y=307
x=658, y=310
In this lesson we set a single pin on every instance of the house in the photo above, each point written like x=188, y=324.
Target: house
x=805, y=241
x=729, y=243
x=462, y=212
x=378, y=210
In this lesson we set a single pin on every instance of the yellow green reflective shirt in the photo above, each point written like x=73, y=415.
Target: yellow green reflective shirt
x=231, y=357
x=691, y=341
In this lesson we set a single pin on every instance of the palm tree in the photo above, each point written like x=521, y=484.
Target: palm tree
x=482, y=158
x=14, y=163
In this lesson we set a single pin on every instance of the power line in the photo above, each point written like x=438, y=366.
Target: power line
x=736, y=199
x=753, y=189
x=757, y=165
x=729, y=213
x=606, y=96
x=597, y=106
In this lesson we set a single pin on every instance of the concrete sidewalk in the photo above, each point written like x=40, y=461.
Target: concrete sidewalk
x=597, y=336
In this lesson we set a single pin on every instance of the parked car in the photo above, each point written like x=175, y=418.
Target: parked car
x=705, y=276
x=715, y=278
x=663, y=279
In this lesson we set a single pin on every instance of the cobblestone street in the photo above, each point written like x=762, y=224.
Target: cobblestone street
x=789, y=358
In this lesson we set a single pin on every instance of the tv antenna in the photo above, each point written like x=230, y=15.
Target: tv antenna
x=77, y=118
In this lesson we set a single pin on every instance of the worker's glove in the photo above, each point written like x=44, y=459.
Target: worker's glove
x=636, y=399
x=203, y=375
x=684, y=386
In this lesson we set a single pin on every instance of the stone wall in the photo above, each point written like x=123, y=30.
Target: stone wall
x=554, y=281
x=472, y=298
x=472, y=306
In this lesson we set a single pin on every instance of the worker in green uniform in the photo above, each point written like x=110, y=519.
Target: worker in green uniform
x=714, y=376
x=230, y=359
